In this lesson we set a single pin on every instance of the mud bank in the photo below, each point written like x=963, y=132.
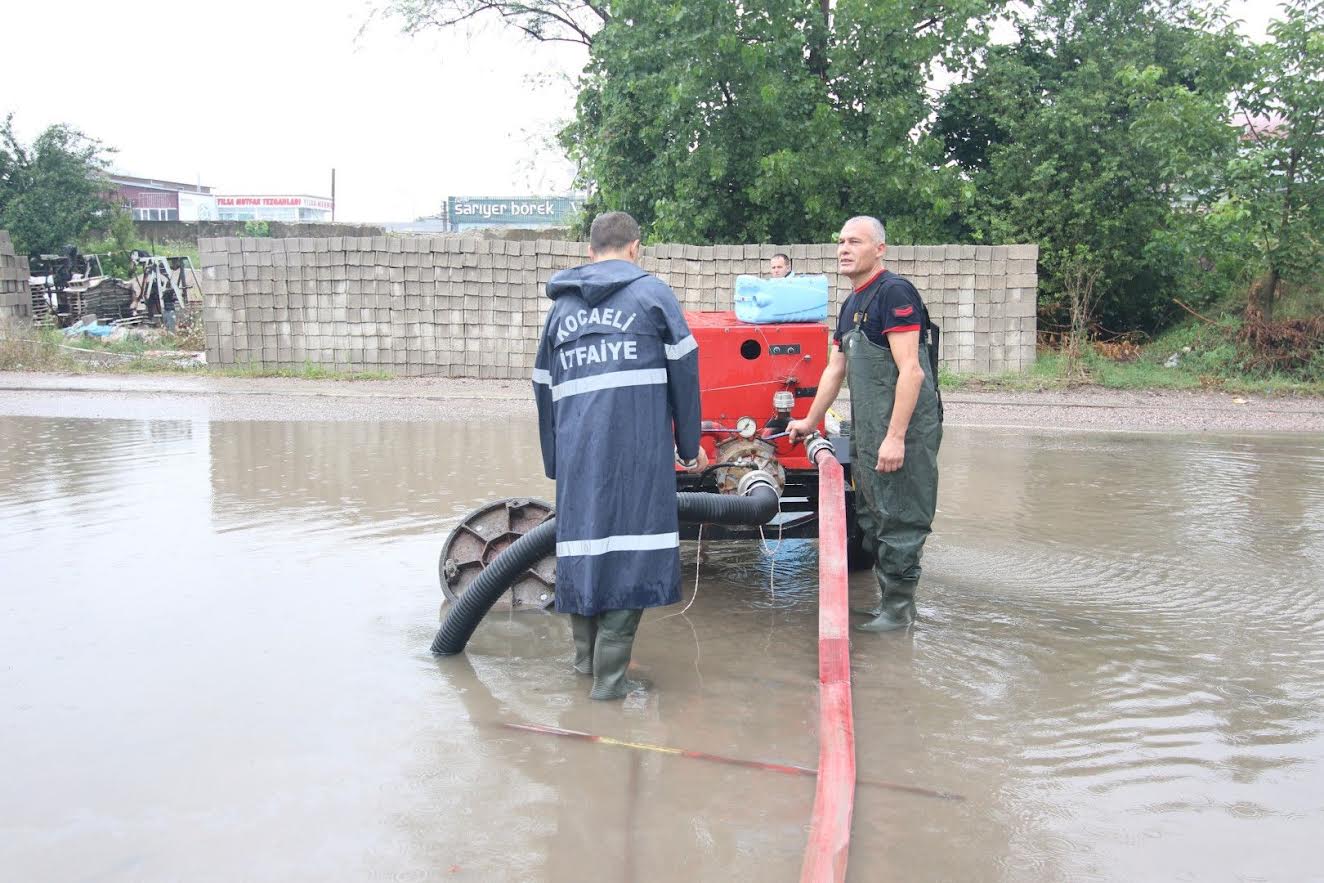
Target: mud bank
x=1087, y=408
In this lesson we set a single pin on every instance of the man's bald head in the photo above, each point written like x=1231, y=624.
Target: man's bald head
x=860, y=248
x=872, y=224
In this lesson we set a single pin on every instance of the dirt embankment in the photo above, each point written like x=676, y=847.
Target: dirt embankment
x=430, y=399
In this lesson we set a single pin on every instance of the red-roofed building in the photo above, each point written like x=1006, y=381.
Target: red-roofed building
x=153, y=199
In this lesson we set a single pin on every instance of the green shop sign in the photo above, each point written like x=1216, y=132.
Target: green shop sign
x=556, y=211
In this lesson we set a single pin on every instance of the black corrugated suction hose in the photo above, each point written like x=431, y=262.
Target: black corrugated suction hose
x=472, y=605
x=755, y=509
x=468, y=610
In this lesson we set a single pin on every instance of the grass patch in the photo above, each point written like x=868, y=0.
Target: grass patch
x=130, y=345
x=24, y=348
x=1206, y=358
x=136, y=341
x=1048, y=372
x=309, y=371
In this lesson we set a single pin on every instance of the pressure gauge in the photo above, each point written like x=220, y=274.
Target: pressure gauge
x=746, y=427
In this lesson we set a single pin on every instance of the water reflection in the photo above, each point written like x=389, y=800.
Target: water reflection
x=386, y=479
x=75, y=470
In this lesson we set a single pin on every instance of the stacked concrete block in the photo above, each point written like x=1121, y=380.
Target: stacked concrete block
x=15, y=294
x=460, y=306
x=985, y=312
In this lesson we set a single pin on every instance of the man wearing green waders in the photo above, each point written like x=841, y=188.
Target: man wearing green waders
x=887, y=346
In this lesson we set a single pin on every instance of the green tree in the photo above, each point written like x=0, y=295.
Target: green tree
x=54, y=191
x=1103, y=131
x=113, y=237
x=1277, y=180
x=719, y=122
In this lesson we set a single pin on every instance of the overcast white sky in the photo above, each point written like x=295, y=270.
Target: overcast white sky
x=266, y=96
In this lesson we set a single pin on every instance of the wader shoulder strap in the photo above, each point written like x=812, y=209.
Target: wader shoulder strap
x=932, y=330
x=862, y=315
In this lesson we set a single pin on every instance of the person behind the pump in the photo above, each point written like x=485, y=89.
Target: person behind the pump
x=780, y=266
x=896, y=416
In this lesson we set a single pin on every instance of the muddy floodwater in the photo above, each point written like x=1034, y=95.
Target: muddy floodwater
x=215, y=668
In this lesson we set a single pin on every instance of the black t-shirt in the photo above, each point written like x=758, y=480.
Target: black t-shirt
x=889, y=303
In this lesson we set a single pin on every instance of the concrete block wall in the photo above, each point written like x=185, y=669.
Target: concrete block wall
x=982, y=297
x=15, y=295
x=460, y=306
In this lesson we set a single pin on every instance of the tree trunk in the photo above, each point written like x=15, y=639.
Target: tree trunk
x=817, y=59
x=1264, y=294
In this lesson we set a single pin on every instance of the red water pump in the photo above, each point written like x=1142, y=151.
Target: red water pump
x=753, y=380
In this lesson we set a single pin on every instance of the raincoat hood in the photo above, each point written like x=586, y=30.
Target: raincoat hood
x=594, y=282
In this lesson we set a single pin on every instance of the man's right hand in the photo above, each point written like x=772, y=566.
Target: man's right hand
x=800, y=429
x=700, y=462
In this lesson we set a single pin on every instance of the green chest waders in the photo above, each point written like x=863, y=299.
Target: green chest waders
x=894, y=510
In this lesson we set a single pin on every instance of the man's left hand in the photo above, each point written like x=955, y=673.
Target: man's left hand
x=891, y=454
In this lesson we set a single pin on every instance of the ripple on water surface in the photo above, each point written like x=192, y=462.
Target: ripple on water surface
x=1118, y=631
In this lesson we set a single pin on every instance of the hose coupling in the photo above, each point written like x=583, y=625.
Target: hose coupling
x=816, y=445
x=756, y=478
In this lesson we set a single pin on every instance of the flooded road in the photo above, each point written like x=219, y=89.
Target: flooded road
x=216, y=668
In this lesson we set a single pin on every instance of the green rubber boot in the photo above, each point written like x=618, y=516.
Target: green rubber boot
x=875, y=610
x=611, y=654
x=585, y=630
x=897, y=610
x=869, y=553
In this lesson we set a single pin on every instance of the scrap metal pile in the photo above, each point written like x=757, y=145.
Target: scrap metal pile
x=69, y=287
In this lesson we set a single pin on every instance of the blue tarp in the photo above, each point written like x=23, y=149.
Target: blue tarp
x=90, y=330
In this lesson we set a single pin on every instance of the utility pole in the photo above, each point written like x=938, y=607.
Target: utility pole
x=333, y=194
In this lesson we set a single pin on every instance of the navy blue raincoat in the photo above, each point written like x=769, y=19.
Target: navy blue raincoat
x=617, y=382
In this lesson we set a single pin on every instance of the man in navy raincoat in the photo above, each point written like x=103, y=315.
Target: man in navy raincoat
x=617, y=385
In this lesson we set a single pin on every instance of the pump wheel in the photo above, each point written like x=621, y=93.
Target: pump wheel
x=484, y=534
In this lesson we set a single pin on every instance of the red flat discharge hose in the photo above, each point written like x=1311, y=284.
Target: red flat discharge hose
x=834, y=799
